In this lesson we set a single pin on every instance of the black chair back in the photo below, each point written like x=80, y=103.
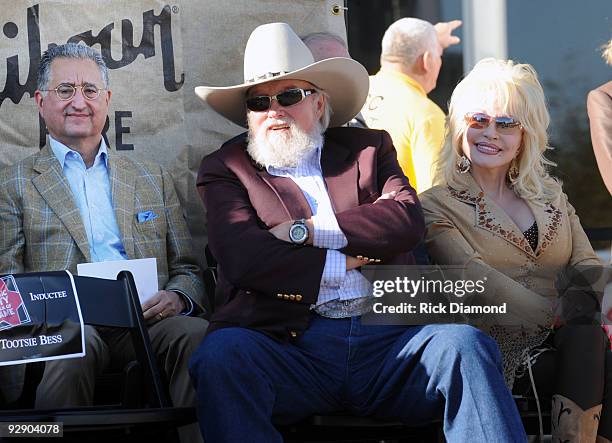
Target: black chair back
x=115, y=303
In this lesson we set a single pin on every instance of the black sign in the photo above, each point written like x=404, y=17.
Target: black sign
x=40, y=318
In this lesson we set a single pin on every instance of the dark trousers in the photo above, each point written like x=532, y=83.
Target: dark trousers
x=578, y=367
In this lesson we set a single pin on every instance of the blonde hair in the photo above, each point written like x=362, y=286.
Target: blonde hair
x=515, y=89
x=606, y=52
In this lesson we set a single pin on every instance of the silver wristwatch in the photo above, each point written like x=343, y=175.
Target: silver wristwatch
x=298, y=232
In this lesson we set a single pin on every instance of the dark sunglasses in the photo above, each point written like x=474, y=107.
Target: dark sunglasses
x=286, y=98
x=503, y=125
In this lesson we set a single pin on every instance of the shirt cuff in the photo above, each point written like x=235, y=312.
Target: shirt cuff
x=327, y=233
x=188, y=303
x=334, y=271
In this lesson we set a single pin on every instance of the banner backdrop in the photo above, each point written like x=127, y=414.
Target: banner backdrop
x=157, y=52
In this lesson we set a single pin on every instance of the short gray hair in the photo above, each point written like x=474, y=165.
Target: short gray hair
x=406, y=39
x=69, y=50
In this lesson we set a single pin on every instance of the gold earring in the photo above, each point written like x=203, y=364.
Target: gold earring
x=463, y=164
x=513, y=171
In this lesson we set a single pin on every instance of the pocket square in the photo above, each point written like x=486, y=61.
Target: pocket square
x=146, y=216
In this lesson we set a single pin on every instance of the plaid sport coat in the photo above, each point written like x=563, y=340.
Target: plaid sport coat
x=42, y=230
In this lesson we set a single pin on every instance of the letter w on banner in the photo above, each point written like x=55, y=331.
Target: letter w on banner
x=40, y=318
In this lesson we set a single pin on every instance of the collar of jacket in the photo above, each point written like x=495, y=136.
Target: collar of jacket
x=340, y=171
x=491, y=217
x=55, y=190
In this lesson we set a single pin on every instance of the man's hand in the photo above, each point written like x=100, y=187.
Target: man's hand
x=281, y=231
x=445, y=31
x=163, y=304
x=354, y=262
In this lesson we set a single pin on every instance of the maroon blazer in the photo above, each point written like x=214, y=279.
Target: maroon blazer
x=256, y=270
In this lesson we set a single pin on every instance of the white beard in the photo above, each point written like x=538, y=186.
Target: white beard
x=283, y=149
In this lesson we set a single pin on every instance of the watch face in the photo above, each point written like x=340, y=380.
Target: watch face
x=298, y=232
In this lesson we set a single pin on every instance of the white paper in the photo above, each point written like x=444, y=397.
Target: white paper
x=144, y=271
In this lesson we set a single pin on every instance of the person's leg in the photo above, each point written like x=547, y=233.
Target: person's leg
x=70, y=382
x=11, y=383
x=245, y=380
x=605, y=425
x=174, y=340
x=543, y=370
x=579, y=382
x=580, y=364
x=450, y=372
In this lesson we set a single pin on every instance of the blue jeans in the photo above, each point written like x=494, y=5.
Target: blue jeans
x=246, y=381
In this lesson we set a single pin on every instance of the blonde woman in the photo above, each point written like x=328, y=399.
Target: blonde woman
x=500, y=214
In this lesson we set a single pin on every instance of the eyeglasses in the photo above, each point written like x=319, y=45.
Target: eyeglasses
x=503, y=125
x=286, y=98
x=65, y=91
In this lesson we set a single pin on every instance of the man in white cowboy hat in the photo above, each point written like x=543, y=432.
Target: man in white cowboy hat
x=293, y=212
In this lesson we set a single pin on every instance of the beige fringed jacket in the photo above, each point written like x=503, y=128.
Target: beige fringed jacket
x=465, y=227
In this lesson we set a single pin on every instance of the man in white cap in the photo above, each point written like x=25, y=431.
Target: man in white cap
x=293, y=212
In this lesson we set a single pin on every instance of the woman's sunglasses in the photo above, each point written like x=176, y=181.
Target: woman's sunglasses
x=503, y=125
x=286, y=98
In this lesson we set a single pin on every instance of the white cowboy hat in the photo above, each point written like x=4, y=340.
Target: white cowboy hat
x=275, y=52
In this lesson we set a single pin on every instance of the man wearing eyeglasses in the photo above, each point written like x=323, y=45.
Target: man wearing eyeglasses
x=293, y=213
x=77, y=201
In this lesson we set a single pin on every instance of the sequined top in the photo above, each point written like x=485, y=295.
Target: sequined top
x=531, y=235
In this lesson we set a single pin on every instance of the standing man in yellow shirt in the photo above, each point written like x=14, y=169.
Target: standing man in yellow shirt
x=397, y=102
